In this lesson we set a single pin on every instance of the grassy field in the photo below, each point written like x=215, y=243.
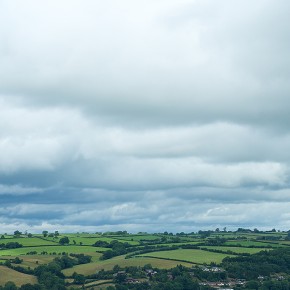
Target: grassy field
x=92, y=268
x=18, y=278
x=244, y=243
x=138, y=238
x=95, y=285
x=28, y=242
x=193, y=256
x=238, y=250
x=91, y=240
x=178, y=244
x=34, y=261
x=88, y=240
x=285, y=243
x=150, y=238
x=52, y=249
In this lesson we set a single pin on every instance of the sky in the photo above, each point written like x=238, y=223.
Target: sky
x=156, y=115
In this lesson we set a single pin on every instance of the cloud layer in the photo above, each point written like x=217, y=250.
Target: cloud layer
x=148, y=115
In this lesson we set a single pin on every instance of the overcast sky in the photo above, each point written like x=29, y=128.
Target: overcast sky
x=144, y=115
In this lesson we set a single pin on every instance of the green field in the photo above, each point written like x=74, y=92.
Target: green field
x=238, y=250
x=138, y=238
x=91, y=240
x=33, y=261
x=18, y=278
x=92, y=268
x=193, y=256
x=52, y=249
x=88, y=240
x=178, y=244
x=28, y=242
x=285, y=243
x=244, y=243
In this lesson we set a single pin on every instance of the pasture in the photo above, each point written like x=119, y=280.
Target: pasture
x=238, y=250
x=91, y=268
x=29, y=242
x=250, y=243
x=18, y=278
x=91, y=240
x=189, y=255
x=88, y=240
x=53, y=250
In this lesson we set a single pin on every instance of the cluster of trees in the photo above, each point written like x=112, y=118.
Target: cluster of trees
x=287, y=238
x=11, y=245
x=263, y=263
x=102, y=244
x=50, y=276
x=17, y=233
x=181, y=280
x=164, y=239
x=117, y=233
x=117, y=249
x=82, y=258
x=11, y=286
x=64, y=241
x=50, y=235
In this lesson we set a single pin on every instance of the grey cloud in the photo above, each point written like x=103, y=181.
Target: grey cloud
x=138, y=69
x=18, y=190
x=153, y=216
x=144, y=114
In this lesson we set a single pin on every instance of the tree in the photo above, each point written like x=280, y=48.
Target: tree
x=17, y=233
x=51, y=281
x=252, y=284
x=17, y=260
x=120, y=278
x=10, y=286
x=79, y=279
x=45, y=233
x=7, y=263
x=64, y=241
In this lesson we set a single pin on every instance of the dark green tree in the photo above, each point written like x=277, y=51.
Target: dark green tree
x=64, y=241
x=10, y=286
x=17, y=233
x=79, y=279
x=45, y=233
